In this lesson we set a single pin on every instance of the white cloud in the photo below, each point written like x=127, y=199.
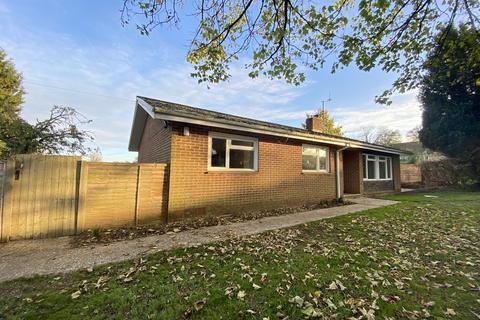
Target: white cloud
x=102, y=82
x=404, y=114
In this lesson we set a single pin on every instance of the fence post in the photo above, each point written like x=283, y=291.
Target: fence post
x=6, y=211
x=137, y=194
x=82, y=197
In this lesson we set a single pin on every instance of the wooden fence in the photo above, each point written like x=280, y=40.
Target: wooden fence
x=48, y=196
x=410, y=173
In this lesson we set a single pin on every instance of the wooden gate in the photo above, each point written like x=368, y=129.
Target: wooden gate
x=40, y=197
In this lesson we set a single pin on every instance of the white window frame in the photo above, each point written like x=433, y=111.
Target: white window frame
x=228, y=147
x=327, y=165
x=377, y=159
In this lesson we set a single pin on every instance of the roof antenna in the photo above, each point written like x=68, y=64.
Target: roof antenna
x=323, y=103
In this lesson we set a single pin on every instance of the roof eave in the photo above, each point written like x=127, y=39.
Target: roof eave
x=142, y=111
x=159, y=113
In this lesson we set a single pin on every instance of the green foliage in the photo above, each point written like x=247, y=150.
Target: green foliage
x=450, y=96
x=60, y=133
x=329, y=126
x=11, y=90
x=283, y=38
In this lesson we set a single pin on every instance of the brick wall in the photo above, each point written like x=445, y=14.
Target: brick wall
x=155, y=143
x=279, y=180
x=378, y=186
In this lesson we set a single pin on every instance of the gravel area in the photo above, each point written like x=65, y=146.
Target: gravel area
x=51, y=256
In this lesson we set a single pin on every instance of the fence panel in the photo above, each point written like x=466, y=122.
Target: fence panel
x=121, y=194
x=109, y=195
x=410, y=173
x=152, y=193
x=39, y=197
x=49, y=196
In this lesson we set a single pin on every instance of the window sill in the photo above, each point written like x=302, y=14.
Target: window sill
x=315, y=172
x=377, y=180
x=218, y=170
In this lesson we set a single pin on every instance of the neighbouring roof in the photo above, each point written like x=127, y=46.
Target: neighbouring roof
x=170, y=111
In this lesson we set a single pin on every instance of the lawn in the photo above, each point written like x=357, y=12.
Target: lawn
x=417, y=259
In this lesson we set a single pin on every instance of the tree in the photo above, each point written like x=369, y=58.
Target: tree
x=328, y=122
x=450, y=97
x=382, y=135
x=367, y=134
x=282, y=37
x=11, y=94
x=388, y=137
x=414, y=134
x=95, y=155
x=11, y=90
x=60, y=133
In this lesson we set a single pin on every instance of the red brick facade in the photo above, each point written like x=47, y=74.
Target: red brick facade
x=279, y=180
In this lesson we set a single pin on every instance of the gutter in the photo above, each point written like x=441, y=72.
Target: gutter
x=337, y=159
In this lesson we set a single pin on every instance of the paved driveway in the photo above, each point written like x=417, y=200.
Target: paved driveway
x=50, y=256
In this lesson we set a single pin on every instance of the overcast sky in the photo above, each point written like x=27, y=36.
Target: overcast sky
x=76, y=53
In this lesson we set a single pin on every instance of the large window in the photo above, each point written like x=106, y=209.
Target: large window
x=377, y=167
x=231, y=152
x=315, y=158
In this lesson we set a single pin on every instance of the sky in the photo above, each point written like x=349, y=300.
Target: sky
x=77, y=54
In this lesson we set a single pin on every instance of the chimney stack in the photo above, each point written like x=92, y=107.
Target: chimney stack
x=314, y=123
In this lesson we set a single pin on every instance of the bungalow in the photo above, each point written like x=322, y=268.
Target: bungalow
x=218, y=162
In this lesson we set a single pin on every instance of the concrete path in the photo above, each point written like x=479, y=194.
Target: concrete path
x=50, y=256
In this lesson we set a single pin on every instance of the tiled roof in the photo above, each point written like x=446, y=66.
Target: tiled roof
x=175, y=109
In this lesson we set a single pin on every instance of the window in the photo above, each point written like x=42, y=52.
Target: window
x=230, y=152
x=377, y=167
x=315, y=158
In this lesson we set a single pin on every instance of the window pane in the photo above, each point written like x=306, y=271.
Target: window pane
x=382, y=168
x=371, y=157
x=242, y=143
x=218, y=152
x=309, y=162
x=371, y=169
x=389, y=173
x=322, y=154
x=241, y=159
x=364, y=166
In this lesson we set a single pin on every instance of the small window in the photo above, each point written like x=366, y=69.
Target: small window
x=315, y=158
x=377, y=167
x=229, y=152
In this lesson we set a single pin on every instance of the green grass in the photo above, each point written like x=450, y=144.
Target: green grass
x=414, y=260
